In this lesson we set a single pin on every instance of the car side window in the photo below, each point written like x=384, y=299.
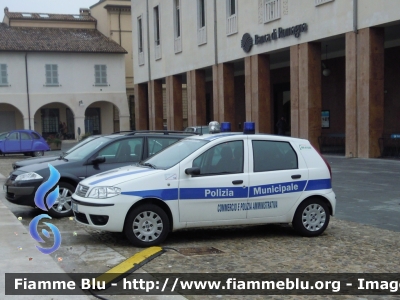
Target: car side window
x=13, y=136
x=273, y=156
x=25, y=136
x=156, y=144
x=136, y=146
x=225, y=158
x=35, y=136
x=122, y=151
x=110, y=152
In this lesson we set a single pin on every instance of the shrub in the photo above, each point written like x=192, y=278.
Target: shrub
x=52, y=139
x=84, y=136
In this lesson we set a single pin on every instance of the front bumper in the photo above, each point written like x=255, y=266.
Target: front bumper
x=102, y=214
x=22, y=192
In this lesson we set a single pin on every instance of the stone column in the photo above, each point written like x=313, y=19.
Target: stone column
x=196, y=97
x=351, y=95
x=370, y=91
x=258, y=92
x=174, y=102
x=156, y=105
x=308, y=89
x=294, y=91
x=224, y=94
x=141, y=107
x=124, y=122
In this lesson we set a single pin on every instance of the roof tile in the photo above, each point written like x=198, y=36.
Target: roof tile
x=34, y=39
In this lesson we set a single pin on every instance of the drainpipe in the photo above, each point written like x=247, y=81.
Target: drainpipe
x=119, y=24
x=355, y=16
x=27, y=90
x=355, y=30
x=215, y=33
x=148, y=41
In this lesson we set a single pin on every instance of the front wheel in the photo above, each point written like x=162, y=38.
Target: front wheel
x=63, y=205
x=311, y=217
x=147, y=225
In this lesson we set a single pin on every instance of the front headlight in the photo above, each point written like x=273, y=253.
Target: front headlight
x=104, y=192
x=28, y=176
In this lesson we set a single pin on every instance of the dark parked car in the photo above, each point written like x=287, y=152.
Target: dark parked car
x=198, y=129
x=36, y=160
x=98, y=155
x=24, y=141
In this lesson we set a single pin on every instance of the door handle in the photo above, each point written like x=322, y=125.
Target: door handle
x=237, y=181
x=296, y=176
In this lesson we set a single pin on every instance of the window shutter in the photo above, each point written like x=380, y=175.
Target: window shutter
x=3, y=74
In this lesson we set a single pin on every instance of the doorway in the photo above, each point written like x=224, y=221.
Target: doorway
x=282, y=105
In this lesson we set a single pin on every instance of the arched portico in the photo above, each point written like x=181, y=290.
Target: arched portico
x=12, y=118
x=48, y=119
x=103, y=117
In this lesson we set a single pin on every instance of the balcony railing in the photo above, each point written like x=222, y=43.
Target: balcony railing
x=202, y=35
x=178, y=44
x=158, y=51
x=319, y=2
x=231, y=25
x=272, y=10
x=141, y=58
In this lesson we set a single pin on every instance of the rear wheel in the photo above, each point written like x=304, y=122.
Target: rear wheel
x=147, y=225
x=37, y=153
x=63, y=205
x=311, y=217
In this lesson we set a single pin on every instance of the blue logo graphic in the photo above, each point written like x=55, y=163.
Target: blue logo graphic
x=34, y=233
x=44, y=188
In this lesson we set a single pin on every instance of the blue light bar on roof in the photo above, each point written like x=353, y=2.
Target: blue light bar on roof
x=225, y=127
x=249, y=128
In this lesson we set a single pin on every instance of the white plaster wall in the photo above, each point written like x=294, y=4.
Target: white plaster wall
x=76, y=77
x=138, y=8
x=327, y=20
x=75, y=72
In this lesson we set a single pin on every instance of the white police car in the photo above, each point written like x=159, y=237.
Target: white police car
x=212, y=180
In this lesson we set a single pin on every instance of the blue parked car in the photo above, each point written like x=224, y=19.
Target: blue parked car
x=28, y=142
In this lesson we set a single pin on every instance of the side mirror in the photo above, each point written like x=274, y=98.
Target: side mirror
x=193, y=171
x=98, y=160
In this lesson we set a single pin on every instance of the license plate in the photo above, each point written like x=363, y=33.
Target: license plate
x=5, y=188
x=75, y=207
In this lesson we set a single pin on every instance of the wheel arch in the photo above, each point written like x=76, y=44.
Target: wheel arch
x=322, y=198
x=154, y=201
x=71, y=181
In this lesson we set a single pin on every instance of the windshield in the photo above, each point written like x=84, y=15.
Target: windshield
x=87, y=148
x=3, y=135
x=80, y=144
x=175, y=153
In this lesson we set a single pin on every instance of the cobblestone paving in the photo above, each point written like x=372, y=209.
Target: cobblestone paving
x=7, y=161
x=345, y=247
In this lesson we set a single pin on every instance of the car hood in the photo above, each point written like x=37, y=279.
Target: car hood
x=118, y=176
x=43, y=168
x=35, y=160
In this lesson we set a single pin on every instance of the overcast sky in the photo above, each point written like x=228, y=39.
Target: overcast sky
x=45, y=6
